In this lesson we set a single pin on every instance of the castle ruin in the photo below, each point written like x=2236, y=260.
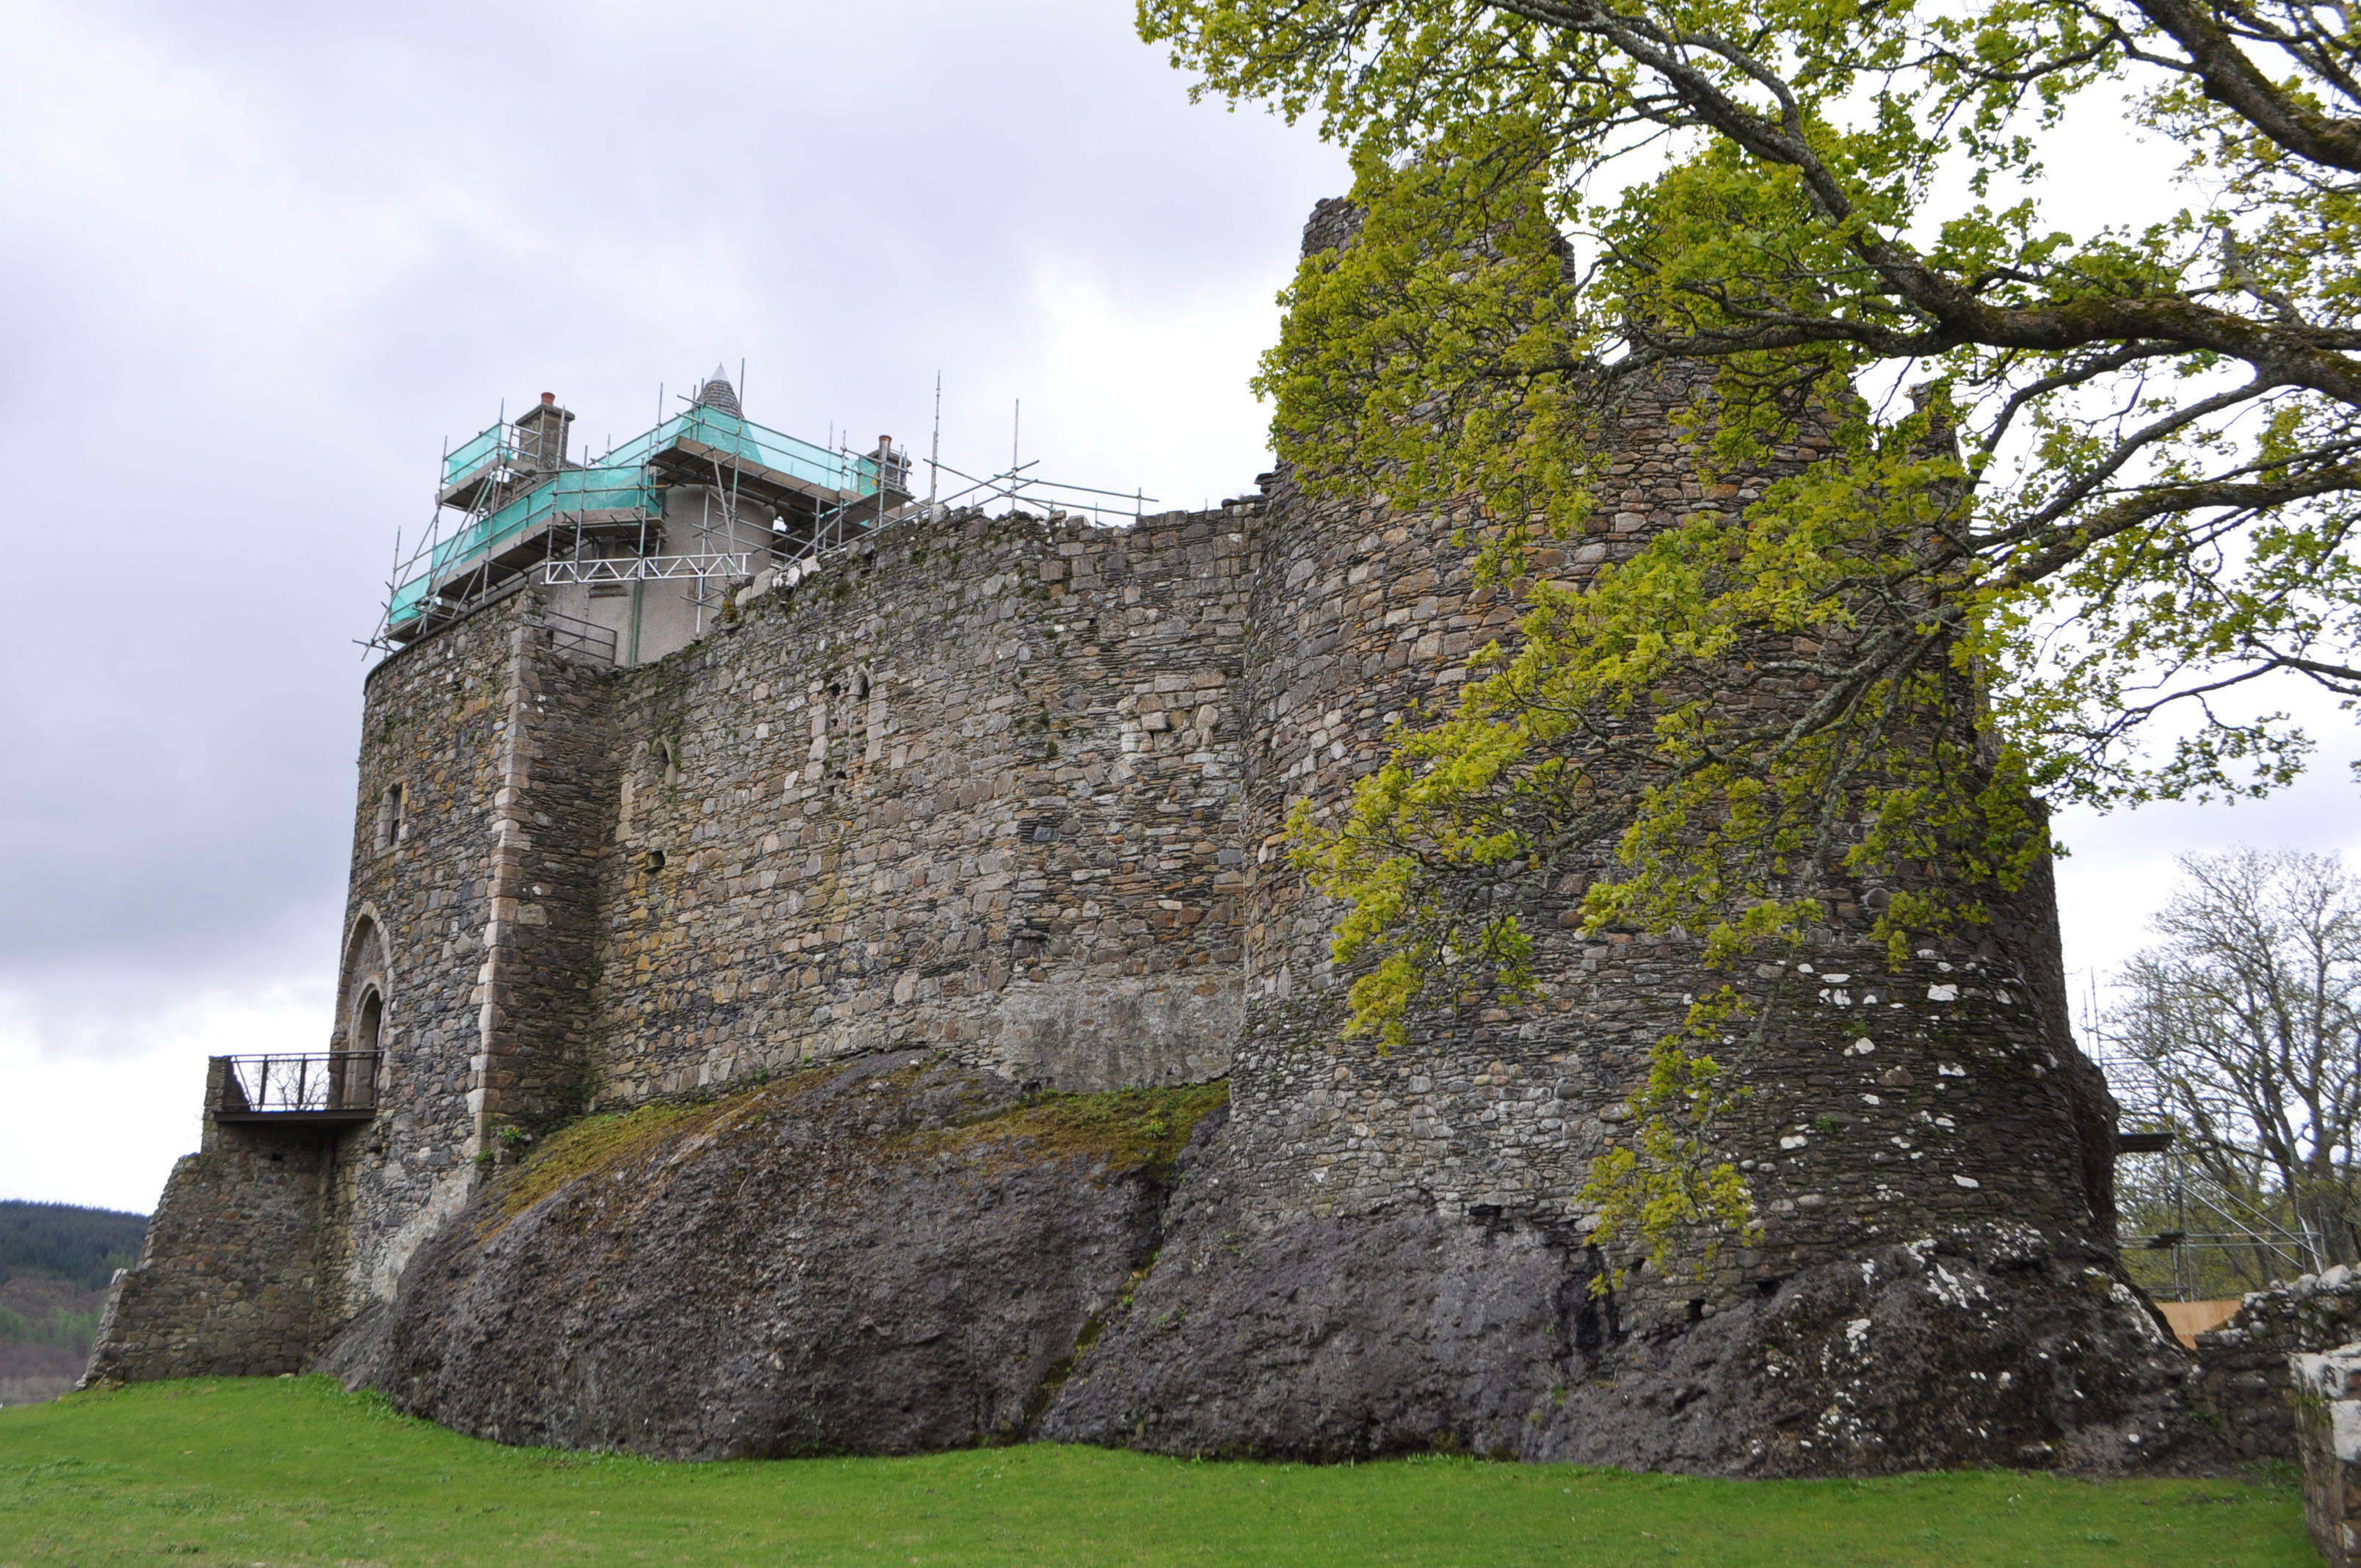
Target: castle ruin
x=725, y=766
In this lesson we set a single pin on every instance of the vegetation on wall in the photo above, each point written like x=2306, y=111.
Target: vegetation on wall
x=1996, y=505
x=1130, y=1129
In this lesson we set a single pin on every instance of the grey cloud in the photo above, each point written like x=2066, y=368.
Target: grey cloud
x=263, y=259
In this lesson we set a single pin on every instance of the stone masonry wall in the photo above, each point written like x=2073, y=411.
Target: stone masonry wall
x=1892, y=1104
x=551, y=822
x=973, y=785
x=436, y=726
x=2243, y=1381
x=225, y=1282
x=1385, y=1250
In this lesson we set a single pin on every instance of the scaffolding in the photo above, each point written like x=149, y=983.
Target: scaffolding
x=2154, y=1159
x=512, y=507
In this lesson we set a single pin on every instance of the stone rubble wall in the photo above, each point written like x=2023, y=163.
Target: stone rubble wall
x=1012, y=836
x=1896, y=1104
x=1387, y=1249
x=225, y=1284
x=973, y=785
x=2326, y=1391
x=2242, y=1380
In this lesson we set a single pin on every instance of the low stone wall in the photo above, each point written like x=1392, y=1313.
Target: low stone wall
x=2327, y=1397
x=225, y=1286
x=2242, y=1381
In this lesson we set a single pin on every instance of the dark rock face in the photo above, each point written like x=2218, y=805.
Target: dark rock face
x=901, y=1254
x=1346, y=1337
x=894, y=1257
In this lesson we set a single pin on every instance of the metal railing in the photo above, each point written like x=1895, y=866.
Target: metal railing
x=582, y=639
x=490, y=448
x=332, y=1084
x=646, y=568
x=568, y=493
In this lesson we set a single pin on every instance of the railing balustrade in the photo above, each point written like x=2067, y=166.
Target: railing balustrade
x=339, y=1085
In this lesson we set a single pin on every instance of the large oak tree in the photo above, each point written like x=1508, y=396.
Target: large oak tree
x=2045, y=494
x=2076, y=482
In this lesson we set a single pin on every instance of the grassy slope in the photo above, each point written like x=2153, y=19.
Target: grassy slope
x=285, y=1472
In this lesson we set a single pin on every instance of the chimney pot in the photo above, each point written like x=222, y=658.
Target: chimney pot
x=548, y=398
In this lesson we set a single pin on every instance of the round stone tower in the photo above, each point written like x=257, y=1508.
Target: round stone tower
x=1390, y=1246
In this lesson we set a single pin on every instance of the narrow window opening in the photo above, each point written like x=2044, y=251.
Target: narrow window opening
x=388, y=817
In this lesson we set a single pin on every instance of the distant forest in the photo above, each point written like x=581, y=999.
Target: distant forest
x=55, y=1264
x=58, y=1241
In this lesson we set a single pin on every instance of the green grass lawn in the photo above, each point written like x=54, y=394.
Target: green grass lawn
x=286, y=1471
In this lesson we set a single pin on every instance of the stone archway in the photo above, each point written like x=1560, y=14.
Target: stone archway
x=364, y=1012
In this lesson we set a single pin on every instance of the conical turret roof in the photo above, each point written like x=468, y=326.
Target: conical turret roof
x=718, y=393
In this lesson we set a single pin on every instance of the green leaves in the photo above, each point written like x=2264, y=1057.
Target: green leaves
x=1974, y=493
x=1663, y=1187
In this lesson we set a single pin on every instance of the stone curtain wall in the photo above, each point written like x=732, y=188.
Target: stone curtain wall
x=973, y=786
x=1015, y=840
x=226, y=1283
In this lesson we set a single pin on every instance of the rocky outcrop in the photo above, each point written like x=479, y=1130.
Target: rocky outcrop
x=1347, y=1337
x=903, y=1255
x=895, y=1255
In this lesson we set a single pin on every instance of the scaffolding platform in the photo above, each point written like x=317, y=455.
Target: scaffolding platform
x=712, y=447
x=529, y=505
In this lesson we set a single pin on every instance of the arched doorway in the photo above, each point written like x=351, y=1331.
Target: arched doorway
x=355, y=1084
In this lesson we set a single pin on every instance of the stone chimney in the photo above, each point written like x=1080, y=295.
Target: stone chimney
x=542, y=434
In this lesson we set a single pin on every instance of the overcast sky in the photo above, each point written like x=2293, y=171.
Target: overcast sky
x=261, y=262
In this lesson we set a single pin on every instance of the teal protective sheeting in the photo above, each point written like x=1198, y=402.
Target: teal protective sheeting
x=404, y=608
x=749, y=442
x=490, y=446
x=622, y=481
x=603, y=489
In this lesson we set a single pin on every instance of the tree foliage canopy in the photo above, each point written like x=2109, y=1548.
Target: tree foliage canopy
x=2121, y=484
